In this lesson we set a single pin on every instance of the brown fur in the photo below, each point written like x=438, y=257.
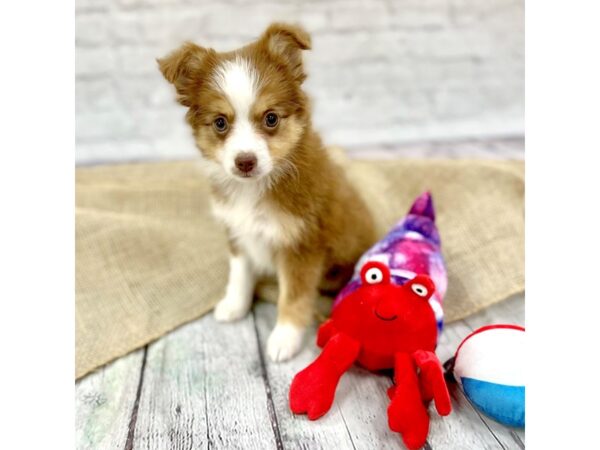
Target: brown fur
x=327, y=225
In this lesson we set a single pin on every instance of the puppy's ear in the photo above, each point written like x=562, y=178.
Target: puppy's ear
x=183, y=68
x=286, y=42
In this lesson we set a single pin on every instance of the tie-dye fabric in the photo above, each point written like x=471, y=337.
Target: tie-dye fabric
x=411, y=247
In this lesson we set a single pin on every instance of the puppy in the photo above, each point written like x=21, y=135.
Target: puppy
x=288, y=209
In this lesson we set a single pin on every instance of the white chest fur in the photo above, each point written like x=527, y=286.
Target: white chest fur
x=258, y=229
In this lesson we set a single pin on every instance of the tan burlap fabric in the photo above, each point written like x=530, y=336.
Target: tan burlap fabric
x=149, y=256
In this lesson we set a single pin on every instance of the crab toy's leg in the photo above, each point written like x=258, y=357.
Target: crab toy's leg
x=325, y=332
x=407, y=414
x=433, y=385
x=313, y=388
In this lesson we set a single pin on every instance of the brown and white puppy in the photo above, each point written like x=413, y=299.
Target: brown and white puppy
x=288, y=209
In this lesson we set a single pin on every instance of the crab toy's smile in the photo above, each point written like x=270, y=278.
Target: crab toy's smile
x=387, y=319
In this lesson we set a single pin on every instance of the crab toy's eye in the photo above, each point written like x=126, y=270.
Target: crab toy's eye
x=374, y=275
x=419, y=289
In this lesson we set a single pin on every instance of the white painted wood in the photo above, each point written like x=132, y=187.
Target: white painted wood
x=462, y=429
x=203, y=388
x=363, y=400
x=104, y=401
x=205, y=382
x=521, y=436
x=297, y=432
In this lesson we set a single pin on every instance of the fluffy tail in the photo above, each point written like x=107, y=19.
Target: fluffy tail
x=423, y=206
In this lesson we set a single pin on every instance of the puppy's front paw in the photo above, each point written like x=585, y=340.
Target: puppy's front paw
x=284, y=342
x=228, y=310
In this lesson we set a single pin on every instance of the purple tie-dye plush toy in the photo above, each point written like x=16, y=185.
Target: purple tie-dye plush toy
x=411, y=247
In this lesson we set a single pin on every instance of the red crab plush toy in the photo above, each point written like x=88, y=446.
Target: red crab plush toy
x=380, y=325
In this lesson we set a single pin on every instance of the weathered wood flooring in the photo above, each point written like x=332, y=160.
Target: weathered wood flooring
x=209, y=385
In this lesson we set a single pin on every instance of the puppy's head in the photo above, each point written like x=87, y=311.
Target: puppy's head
x=246, y=107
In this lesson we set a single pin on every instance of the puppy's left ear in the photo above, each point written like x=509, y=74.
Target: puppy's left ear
x=286, y=42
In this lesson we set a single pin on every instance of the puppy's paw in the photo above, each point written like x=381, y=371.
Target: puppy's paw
x=228, y=310
x=285, y=341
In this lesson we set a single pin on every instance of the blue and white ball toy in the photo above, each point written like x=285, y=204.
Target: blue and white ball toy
x=490, y=367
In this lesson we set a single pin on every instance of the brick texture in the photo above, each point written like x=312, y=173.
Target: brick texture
x=381, y=72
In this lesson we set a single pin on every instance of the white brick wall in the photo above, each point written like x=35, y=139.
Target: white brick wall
x=382, y=72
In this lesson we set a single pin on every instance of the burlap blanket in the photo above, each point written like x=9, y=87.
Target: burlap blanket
x=149, y=256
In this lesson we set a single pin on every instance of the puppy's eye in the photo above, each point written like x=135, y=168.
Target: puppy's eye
x=271, y=120
x=220, y=124
x=419, y=289
x=374, y=276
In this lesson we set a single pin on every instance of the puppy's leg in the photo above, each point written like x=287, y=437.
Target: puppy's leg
x=298, y=278
x=239, y=292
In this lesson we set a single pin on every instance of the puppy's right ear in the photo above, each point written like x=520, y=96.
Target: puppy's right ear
x=183, y=68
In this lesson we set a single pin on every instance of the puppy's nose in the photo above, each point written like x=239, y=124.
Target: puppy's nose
x=245, y=162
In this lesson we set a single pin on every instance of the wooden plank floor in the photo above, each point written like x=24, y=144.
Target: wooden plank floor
x=209, y=385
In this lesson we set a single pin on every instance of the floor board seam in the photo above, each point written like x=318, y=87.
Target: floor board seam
x=136, y=404
x=208, y=441
x=481, y=418
x=267, y=383
x=346, y=425
x=517, y=439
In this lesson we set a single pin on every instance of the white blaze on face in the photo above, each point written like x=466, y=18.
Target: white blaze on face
x=238, y=80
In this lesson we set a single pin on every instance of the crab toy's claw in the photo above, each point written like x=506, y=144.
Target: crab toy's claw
x=412, y=392
x=432, y=383
x=313, y=388
x=407, y=414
